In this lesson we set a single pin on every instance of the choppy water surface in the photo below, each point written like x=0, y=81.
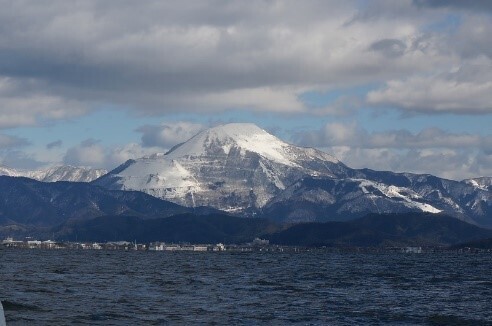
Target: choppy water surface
x=151, y=288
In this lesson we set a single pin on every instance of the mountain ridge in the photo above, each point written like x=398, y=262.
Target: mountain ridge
x=56, y=173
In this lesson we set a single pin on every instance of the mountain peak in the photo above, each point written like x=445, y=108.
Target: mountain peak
x=245, y=137
x=232, y=166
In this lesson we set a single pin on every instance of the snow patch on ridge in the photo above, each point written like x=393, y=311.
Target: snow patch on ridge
x=407, y=195
x=158, y=173
x=482, y=183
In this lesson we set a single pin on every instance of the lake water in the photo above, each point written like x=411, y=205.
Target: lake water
x=63, y=287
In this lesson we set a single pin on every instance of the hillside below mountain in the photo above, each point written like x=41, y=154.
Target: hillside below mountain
x=374, y=230
x=190, y=228
x=386, y=230
x=27, y=205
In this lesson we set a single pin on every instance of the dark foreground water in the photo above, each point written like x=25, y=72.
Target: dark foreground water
x=152, y=288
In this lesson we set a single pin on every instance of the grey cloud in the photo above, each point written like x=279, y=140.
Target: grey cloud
x=25, y=103
x=21, y=160
x=472, y=40
x=211, y=56
x=389, y=47
x=89, y=142
x=7, y=141
x=465, y=91
x=167, y=46
x=200, y=56
x=339, y=134
x=54, y=144
x=428, y=138
x=480, y=5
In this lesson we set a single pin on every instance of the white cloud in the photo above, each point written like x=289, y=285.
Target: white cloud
x=20, y=160
x=451, y=164
x=23, y=103
x=120, y=154
x=432, y=150
x=87, y=153
x=92, y=153
x=167, y=135
x=7, y=141
x=466, y=91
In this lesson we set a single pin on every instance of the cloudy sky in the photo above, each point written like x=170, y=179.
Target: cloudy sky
x=391, y=85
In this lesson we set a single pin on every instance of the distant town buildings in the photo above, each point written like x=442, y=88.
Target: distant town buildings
x=160, y=246
x=257, y=245
x=29, y=243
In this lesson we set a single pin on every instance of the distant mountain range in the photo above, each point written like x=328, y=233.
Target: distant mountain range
x=57, y=173
x=236, y=169
x=242, y=169
x=85, y=212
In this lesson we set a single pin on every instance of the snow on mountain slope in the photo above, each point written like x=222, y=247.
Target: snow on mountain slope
x=483, y=183
x=57, y=173
x=156, y=174
x=230, y=167
x=325, y=199
x=9, y=172
x=407, y=196
x=67, y=173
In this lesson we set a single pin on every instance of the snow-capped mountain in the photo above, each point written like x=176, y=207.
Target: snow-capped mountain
x=240, y=167
x=57, y=173
x=230, y=167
